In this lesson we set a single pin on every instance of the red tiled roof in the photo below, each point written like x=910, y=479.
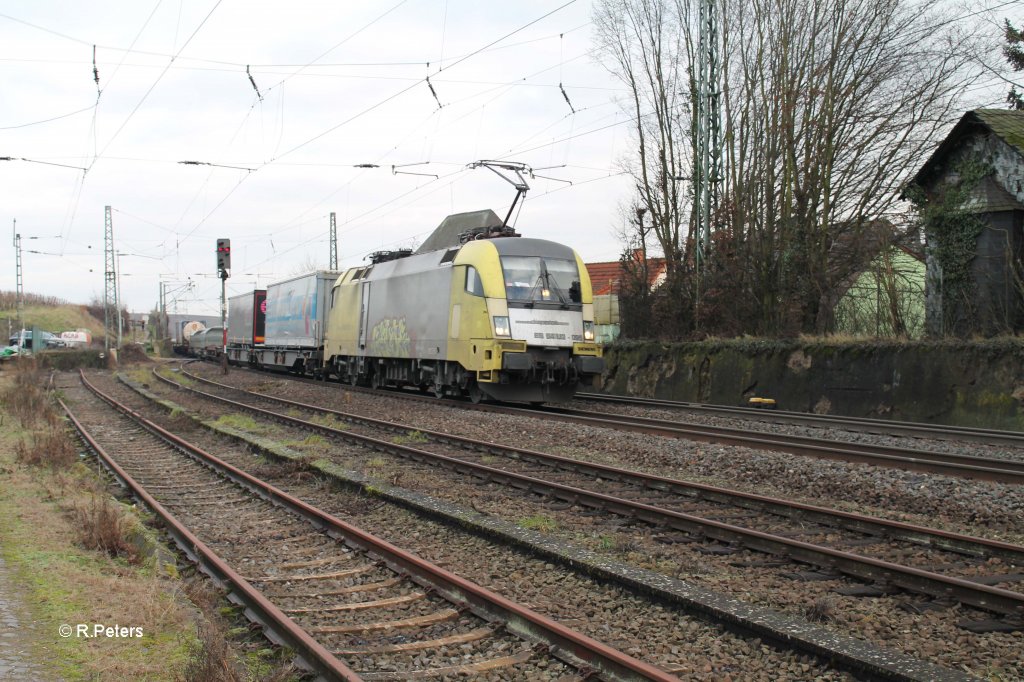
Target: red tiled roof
x=604, y=277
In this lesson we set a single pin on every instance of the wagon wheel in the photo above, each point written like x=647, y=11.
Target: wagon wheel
x=438, y=390
x=376, y=382
x=475, y=393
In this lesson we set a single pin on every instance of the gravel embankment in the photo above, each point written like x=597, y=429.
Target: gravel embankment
x=976, y=508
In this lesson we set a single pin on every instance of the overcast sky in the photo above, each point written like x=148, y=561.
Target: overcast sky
x=339, y=84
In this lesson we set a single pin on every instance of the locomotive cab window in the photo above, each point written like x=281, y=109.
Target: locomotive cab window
x=473, y=283
x=532, y=279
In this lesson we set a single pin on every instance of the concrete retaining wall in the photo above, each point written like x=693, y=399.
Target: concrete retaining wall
x=968, y=384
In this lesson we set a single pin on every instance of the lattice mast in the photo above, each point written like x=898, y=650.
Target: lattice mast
x=708, y=172
x=19, y=276
x=110, y=303
x=334, y=243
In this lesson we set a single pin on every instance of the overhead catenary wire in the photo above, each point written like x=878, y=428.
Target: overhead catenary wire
x=155, y=83
x=369, y=109
x=209, y=194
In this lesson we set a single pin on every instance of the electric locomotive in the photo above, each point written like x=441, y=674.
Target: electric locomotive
x=477, y=310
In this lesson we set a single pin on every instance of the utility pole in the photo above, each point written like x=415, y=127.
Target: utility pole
x=19, y=283
x=334, y=243
x=111, y=310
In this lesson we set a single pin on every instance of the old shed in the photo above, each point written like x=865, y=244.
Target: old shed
x=990, y=300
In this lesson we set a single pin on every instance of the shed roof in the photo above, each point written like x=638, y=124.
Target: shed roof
x=1006, y=124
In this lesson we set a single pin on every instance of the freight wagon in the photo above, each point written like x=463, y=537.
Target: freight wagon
x=296, y=318
x=247, y=316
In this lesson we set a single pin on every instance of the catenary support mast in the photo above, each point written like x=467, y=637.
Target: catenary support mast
x=110, y=302
x=334, y=242
x=707, y=172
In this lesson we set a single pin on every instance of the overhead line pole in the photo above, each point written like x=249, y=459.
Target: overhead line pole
x=707, y=173
x=19, y=282
x=117, y=274
x=334, y=242
x=110, y=316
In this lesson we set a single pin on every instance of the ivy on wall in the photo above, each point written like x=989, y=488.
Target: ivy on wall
x=953, y=228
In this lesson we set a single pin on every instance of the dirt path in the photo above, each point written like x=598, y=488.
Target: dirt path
x=15, y=634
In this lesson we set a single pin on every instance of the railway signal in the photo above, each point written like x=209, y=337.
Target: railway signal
x=223, y=257
x=223, y=265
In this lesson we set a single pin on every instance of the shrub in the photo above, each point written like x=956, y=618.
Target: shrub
x=102, y=527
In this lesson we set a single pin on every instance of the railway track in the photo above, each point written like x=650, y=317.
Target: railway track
x=911, y=459
x=997, y=470
x=858, y=424
x=351, y=605
x=885, y=554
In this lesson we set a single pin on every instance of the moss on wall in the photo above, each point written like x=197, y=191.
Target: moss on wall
x=967, y=384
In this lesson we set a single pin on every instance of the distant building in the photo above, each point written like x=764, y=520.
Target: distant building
x=606, y=278
x=886, y=298
x=994, y=137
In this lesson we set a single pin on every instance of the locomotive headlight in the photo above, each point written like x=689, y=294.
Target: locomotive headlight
x=588, y=330
x=501, y=326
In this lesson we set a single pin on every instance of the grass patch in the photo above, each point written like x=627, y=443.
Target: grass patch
x=313, y=443
x=140, y=376
x=383, y=469
x=242, y=422
x=330, y=421
x=65, y=544
x=65, y=583
x=539, y=522
x=175, y=376
x=56, y=318
x=410, y=437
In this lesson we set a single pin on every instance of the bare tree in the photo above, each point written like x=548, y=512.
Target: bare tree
x=640, y=41
x=828, y=107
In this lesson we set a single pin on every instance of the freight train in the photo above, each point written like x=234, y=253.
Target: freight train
x=476, y=311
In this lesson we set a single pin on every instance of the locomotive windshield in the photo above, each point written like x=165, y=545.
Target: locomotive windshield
x=533, y=279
